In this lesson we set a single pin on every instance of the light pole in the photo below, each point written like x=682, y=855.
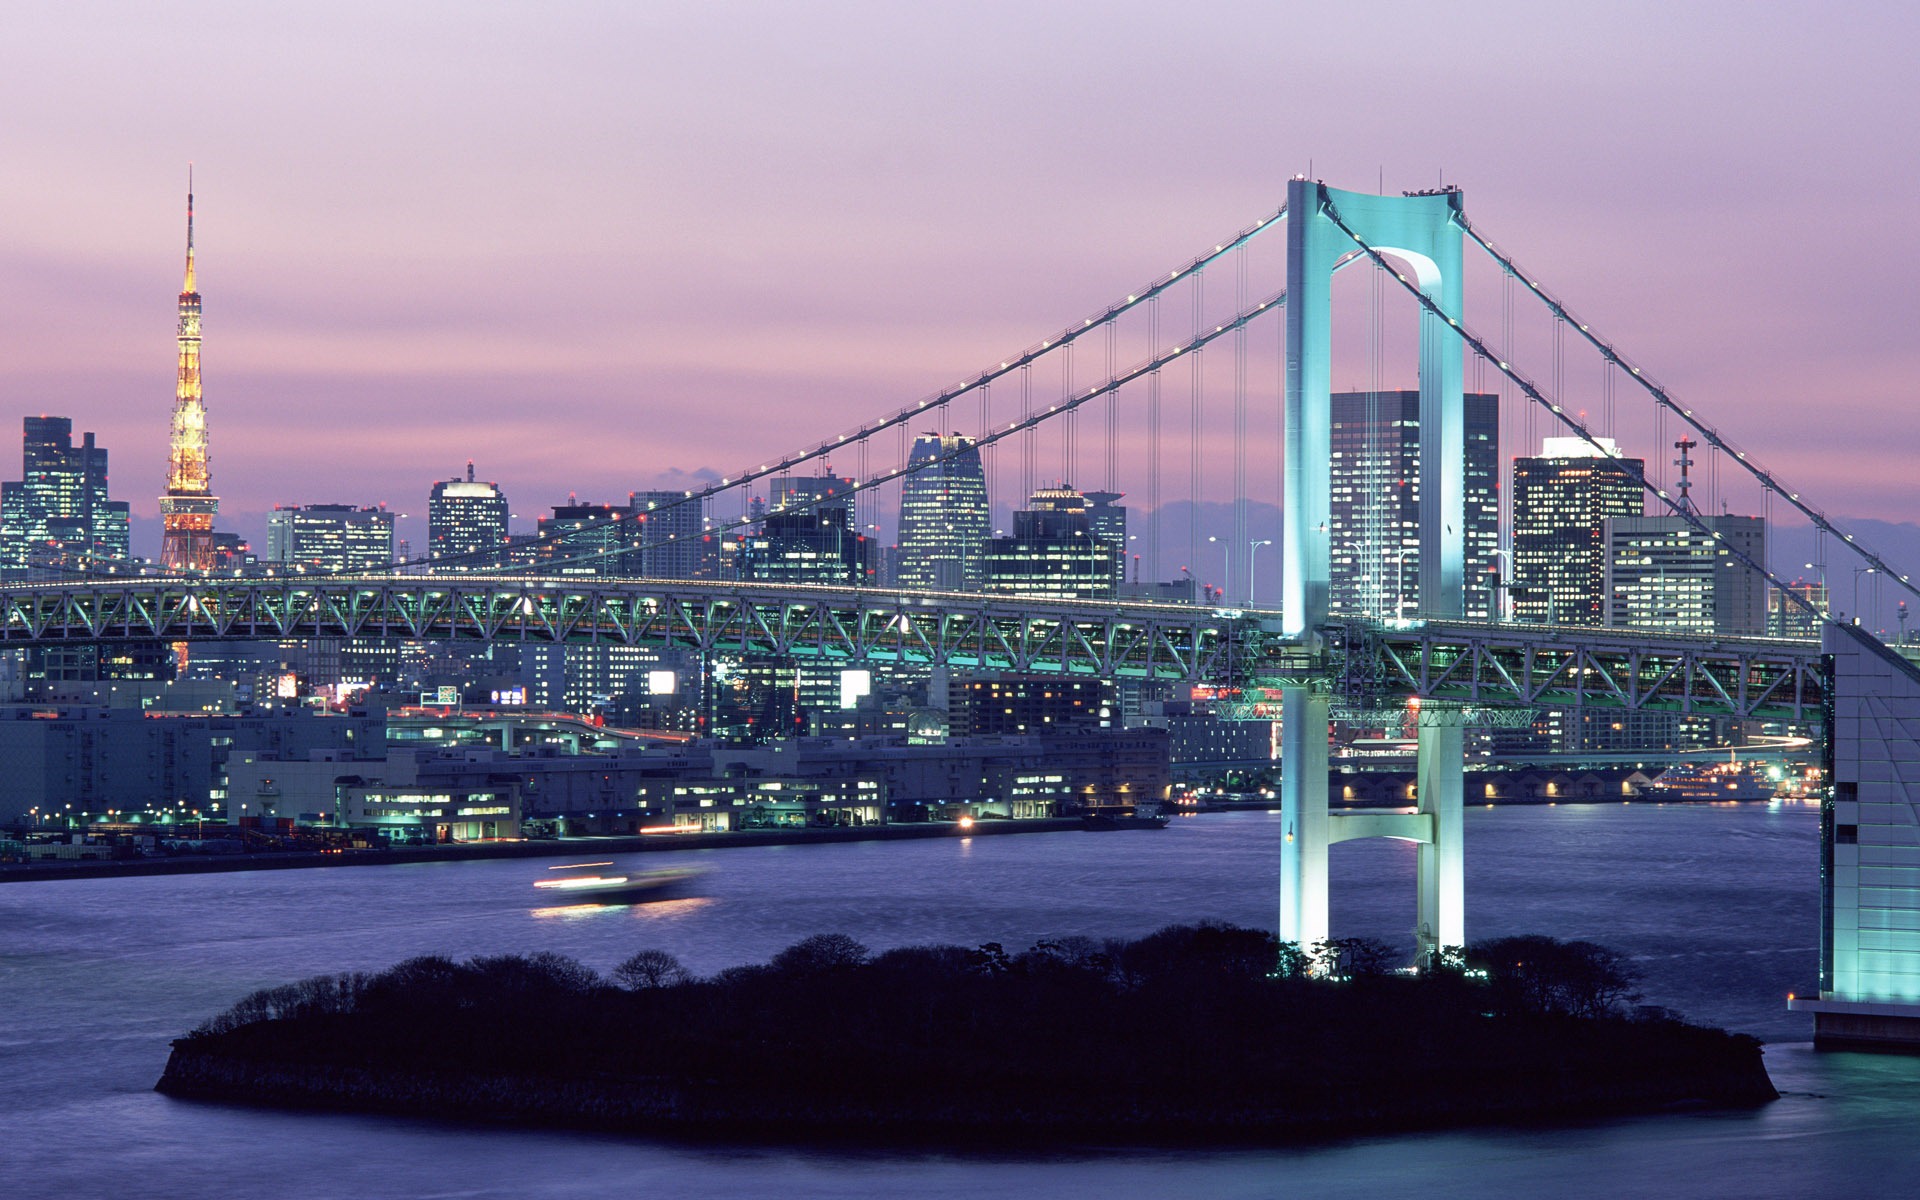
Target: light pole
x=1495, y=610
x=1253, y=548
x=1399, y=558
x=1857, y=573
x=1226, y=564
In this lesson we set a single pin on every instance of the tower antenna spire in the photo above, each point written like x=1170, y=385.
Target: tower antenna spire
x=189, y=284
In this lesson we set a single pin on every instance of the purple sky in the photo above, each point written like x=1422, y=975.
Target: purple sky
x=590, y=244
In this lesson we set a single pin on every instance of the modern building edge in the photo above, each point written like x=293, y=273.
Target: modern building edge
x=1861, y=1024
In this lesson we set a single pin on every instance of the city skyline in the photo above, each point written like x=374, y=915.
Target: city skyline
x=616, y=278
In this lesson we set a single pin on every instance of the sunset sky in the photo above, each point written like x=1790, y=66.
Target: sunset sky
x=592, y=245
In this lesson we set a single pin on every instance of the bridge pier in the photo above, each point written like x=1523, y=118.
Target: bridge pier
x=1304, y=729
x=1439, y=789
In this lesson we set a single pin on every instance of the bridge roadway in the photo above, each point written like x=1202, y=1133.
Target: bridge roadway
x=1460, y=670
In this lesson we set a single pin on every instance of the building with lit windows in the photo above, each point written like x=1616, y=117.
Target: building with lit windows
x=330, y=537
x=1662, y=573
x=944, y=519
x=1373, y=521
x=467, y=523
x=1054, y=553
x=1788, y=619
x=56, y=518
x=1562, y=500
x=601, y=540
x=676, y=546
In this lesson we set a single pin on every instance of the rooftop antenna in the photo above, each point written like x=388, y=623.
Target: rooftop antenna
x=1684, y=462
x=469, y=470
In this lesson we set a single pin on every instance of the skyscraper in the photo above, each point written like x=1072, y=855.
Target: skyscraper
x=1053, y=552
x=187, y=510
x=1374, y=514
x=943, y=516
x=1662, y=573
x=1561, y=503
x=330, y=537
x=466, y=524
x=675, y=533
x=57, y=515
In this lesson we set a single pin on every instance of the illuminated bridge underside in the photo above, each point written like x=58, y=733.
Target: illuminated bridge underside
x=1558, y=666
x=1162, y=641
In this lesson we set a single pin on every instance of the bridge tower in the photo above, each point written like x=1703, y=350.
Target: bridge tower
x=1325, y=225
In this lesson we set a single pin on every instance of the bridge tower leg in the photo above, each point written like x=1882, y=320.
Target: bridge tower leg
x=1441, y=871
x=1303, y=811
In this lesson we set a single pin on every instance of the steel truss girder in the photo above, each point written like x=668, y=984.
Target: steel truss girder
x=1559, y=666
x=1095, y=638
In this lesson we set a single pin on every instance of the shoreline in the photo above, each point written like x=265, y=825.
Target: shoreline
x=645, y=843
x=558, y=848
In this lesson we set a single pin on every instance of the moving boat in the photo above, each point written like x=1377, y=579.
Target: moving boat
x=1720, y=781
x=632, y=887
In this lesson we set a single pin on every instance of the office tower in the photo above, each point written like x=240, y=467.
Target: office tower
x=1662, y=573
x=330, y=538
x=813, y=544
x=1786, y=619
x=1561, y=503
x=466, y=524
x=188, y=508
x=601, y=540
x=57, y=516
x=1373, y=523
x=1053, y=552
x=943, y=516
x=675, y=535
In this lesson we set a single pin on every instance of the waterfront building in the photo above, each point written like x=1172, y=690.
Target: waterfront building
x=1663, y=573
x=57, y=519
x=944, y=518
x=1373, y=524
x=189, y=505
x=330, y=537
x=467, y=524
x=1053, y=552
x=1562, y=500
x=1003, y=704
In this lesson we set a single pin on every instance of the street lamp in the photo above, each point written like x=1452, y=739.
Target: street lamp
x=1399, y=558
x=1253, y=548
x=1857, y=573
x=1226, y=564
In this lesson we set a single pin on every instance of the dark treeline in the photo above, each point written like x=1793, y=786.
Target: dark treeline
x=1189, y=1033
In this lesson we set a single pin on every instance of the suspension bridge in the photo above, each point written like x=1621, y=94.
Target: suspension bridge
x=1234, y=404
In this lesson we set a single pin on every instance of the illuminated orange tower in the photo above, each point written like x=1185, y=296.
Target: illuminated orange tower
x=188, y=508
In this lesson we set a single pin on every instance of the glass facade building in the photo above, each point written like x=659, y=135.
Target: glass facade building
x=1374, y=507
x=1561, y=503
x=1054, y=552
x=1662, y=573
x=56, y=518
x=944, y=517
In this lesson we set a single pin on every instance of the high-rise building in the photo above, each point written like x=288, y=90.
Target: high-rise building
x=601, y=540
x=1561, y=503
x=676, y=546
x=188, y=508
x=1374, y=513
x=57, y=516
x=466, y=524
x=816, y=544
x=1053, y=552
x=944, y=518
x=330, y=537
x=1663, y=573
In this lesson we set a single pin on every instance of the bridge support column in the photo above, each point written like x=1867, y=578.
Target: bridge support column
x=1441, y=875
x=1304, y=728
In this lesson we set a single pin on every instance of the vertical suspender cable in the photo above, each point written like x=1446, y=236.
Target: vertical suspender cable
x=1240, y=538
x=1113, y=418
x=1193, y=432
x=1153, y=437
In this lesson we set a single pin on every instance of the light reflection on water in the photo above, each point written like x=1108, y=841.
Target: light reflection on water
x=1717, y=905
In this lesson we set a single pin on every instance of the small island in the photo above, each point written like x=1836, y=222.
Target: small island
x=1196, y=1034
